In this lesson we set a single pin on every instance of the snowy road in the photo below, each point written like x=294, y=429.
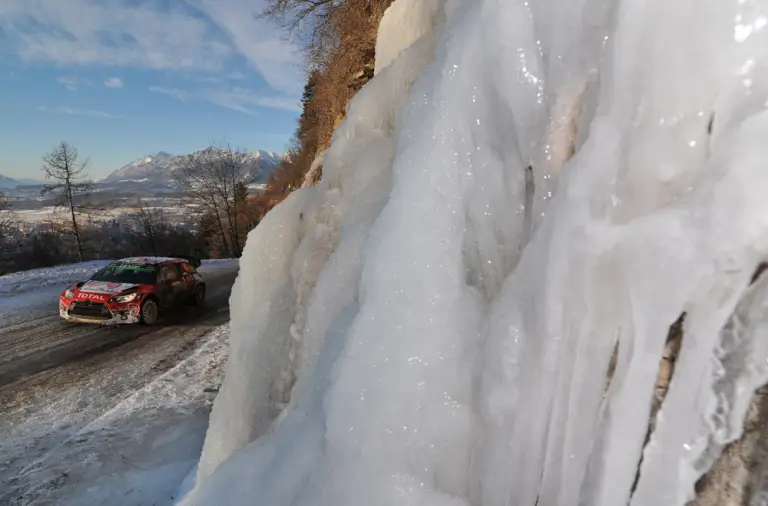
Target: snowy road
x=35, y=339
x=57, y=379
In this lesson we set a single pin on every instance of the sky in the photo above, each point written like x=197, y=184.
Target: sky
x=122, y=79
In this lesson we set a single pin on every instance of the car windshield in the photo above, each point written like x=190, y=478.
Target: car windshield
x=126, y=273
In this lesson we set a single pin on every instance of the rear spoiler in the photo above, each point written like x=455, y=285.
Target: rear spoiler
x=192, y=260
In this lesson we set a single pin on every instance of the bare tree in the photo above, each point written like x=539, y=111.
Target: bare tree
x=69, y=182
x=6, y=219
x=147, y=223
x=309, y=19
x=317, y=23
x=212, y=179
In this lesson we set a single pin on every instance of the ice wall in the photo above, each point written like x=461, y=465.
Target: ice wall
x=523, y=188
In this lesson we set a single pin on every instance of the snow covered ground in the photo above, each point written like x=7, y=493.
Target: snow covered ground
x=36, y=279
x=137, y=453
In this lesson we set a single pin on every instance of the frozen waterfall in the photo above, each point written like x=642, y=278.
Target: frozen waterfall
x=525, y=190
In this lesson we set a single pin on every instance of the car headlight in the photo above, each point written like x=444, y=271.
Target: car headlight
x=127, y=297
x=69, y=294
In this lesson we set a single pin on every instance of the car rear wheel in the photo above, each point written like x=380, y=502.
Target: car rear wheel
x=199, y=298
x=149, y=312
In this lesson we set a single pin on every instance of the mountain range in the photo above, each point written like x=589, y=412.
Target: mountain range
x=159, y=168
x=152, y=174
x=7, y=183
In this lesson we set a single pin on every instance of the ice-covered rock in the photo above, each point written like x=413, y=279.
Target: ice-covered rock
x=522, y=189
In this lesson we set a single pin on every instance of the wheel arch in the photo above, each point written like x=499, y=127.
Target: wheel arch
x=153, y=297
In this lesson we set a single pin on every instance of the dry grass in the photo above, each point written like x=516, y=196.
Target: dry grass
x=341, y=49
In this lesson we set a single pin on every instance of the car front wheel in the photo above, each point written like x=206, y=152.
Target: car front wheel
x=199, y=298
x=149, y=312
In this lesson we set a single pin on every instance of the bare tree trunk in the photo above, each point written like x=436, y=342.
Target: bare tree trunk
x=224, y=244
x=151, y=236
x=74, y=224
x=233, y=231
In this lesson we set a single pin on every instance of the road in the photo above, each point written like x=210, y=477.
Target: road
x=36, y=339
x=56, y=377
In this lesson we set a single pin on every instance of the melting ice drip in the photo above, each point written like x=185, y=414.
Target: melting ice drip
x=524, y=191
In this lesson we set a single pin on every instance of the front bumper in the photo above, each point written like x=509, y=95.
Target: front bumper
x=118, y=316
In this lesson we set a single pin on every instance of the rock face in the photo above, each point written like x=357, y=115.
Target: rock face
x=739, y=476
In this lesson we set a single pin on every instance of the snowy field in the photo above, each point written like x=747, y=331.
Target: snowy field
x=169, y=207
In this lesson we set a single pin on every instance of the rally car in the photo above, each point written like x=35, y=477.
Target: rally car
x=133, y=290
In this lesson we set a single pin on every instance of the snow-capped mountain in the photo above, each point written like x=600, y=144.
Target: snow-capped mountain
x=158, y=169
x=157, y=166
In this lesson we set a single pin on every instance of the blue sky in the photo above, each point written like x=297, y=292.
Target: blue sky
x=121, y=79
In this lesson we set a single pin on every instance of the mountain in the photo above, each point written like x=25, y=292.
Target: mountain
x=8, y=183
x=30, y=182
x=158, y=169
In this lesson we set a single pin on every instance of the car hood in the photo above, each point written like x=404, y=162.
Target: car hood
x=105, y=287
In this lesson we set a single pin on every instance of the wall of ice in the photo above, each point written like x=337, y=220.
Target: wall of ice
x=523, y=189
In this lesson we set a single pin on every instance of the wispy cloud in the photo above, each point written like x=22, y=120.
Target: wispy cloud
x=171, y=92
x=259, y=41
x=76, y=112
x=193, y=35
x=244, y=100
x=142, y=35
x=113, y=82
x=73, y=83
x=217, y=79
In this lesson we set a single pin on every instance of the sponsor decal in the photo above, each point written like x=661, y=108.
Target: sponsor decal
x=134, y=309
x=92, y=296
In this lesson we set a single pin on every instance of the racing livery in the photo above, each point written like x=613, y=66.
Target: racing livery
x=133, y=290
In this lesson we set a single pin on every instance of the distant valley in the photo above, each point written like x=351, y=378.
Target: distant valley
x=149, y=177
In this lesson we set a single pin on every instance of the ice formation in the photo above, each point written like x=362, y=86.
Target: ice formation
x=523, y=188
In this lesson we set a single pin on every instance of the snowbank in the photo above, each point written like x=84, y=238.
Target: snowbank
x=218, y=264
x=551, y=181
x=62, y=275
